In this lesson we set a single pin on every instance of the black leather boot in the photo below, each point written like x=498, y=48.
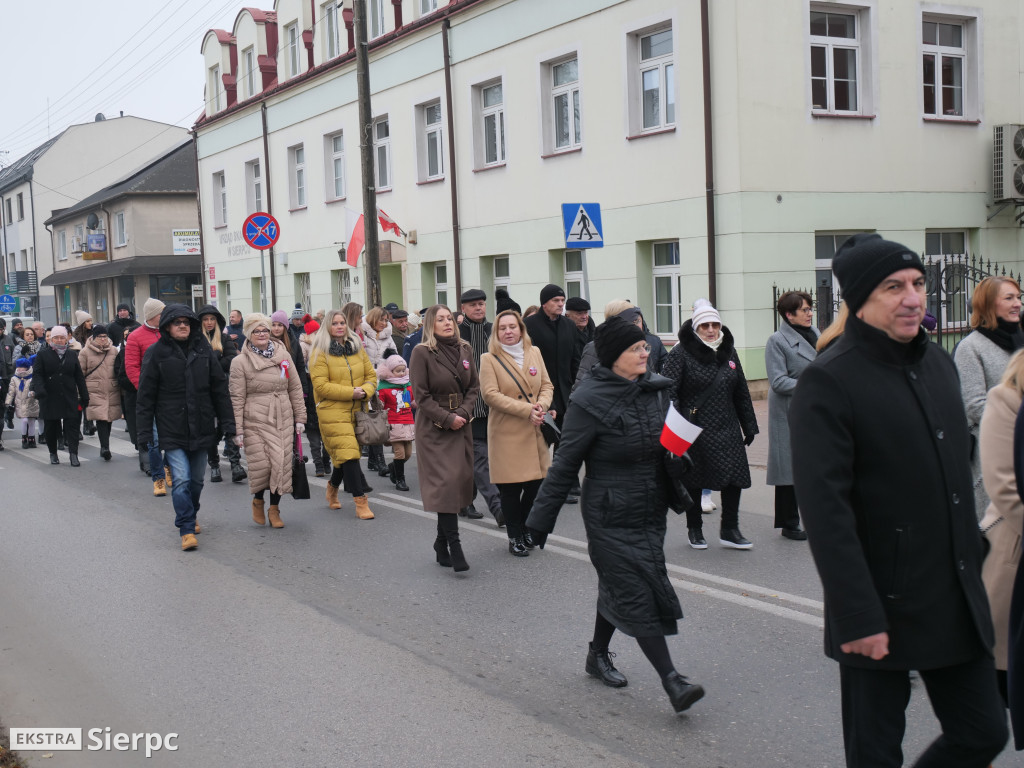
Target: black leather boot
x=599, y=665
x=450, y=525
x=441, y=546
x=681, y=692
x=144, y=460
x=516, y=548
x=400, y=484
x=215, y=476
x=74, y=460
x=237, y=472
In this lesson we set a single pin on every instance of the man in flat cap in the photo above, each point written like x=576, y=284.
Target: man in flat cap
x=399, y=326
x=883, y=479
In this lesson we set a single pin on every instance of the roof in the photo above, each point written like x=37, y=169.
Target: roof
x=172, y=173
x=136, y=265
x=21, y=169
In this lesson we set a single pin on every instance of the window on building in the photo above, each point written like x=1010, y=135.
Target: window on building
x=502, y=276
x=297, y=176
x=291, y=41
x=120, y=230
x=78, y=238
x=62, y=245
x=215, y=88
x=430, y=145
x=382, y=152
x=10, y=215
x=441, y=284
x=376, y=8
x=826, y=291
x=220, y=200
x=257, y=299
x=668, y=299
x=21, y=206
x=948, y=276
x=945, y=66
x=837, y=59
x=224, y=288
x=302, y=289
x=249, y=73
x=253, y=186
x=490, y=124
x=332, y=36
x=426, y=6
x=573, y=274
x=334, y=154
x=341, y=287
x=657, y=80
x=564, y=84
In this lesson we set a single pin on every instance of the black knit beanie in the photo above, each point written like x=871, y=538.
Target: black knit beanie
x=550, y=291
x=613, y=337
x=99, y=330
x=864, y=261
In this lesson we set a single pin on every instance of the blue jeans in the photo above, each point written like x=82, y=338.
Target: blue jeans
x=156, y=462
x=188, y=469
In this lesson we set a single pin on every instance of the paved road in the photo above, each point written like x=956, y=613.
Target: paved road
x=339, y=642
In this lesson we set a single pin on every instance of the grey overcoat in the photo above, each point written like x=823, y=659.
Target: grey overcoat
x=786, y=355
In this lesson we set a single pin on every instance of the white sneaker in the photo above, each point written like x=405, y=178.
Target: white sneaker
x=707, y=505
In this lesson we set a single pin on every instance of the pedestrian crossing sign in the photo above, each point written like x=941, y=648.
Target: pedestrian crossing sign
x=582, y=224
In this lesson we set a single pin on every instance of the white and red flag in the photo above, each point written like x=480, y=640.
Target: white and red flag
x=678, y=434
x=355, y=236
x=387, y=223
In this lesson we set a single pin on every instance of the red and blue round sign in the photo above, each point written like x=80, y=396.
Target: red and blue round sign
x=261, y=231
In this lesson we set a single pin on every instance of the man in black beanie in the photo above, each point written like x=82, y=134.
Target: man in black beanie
x=555, y=336
x=884, y=485
x=125, y=319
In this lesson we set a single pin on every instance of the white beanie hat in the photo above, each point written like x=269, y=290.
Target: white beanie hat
x=703, y=312
x=152, y=308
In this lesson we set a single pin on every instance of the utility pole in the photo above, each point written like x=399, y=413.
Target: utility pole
x=366, y=156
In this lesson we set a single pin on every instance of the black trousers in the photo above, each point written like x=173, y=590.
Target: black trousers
x=516, y=502
x=730, y=508
x=965, y=699
x=786, y=513
x=103, y=430
x=67, y=427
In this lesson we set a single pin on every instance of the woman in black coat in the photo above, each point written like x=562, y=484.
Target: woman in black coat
x=613, y=424
x=213, y=324
x=708, y=376
x=59, y=386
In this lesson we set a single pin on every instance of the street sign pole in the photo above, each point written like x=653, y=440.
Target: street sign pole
x=263, y=281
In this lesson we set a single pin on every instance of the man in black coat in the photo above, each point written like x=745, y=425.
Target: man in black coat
x=126, y=319
x=7, y=344
x=555, y=335
x=183, y=389
x=880, y=458
x=59, y=386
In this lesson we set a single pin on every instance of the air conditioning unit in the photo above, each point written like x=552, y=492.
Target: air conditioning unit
x=1008, y=164
x=76, y=244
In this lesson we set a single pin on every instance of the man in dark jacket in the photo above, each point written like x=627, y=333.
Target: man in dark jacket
x=475, y=329
x=882, y=475
x=234, y=328
x=182, y=388
x=554, y=335
x=126, y=319
x=413, y=339
x=399, y=327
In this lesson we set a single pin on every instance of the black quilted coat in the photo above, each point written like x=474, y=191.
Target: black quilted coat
x=614, y=426
x=727, y=416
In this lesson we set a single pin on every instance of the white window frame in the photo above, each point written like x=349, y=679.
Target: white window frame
x=297, y=185
x=430, y=134
x=664, y=65
x=502, y=280
x=215, y=88
x=334, y=166
x=220, y=199
x=378, y=22
x=866, y=23
x=78, y=239
x=254, y=186
x=672, y=273
x=332, y=33
x=571, y=91
x=225, y=296
x=483, y=114
x=573, y=276
x=120, y=230
x=938, y=260
x=342, y=287
x=21, y=206
x=303, y=292
x=970, y=22
x=62, y=245
x=440, y=269
x=249, y=76
x=291, y=42
x=426, y=6
x=10, y=211
x=382, y=151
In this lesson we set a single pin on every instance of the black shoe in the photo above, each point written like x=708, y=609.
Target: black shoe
x=471, y=513
x=499, y=519
x=393, y=473
x=144, y=462
x=731, y=538
x=570, y=499
x=54, y=459
x=401, y=485
x=459, y=563
x=61, y=445
x=237, y=472
x=517, y=548
x=441, y=548
x=527, y=539
x=318, y=466
x=796, y=534
x=105, y=454
x=696, y=536
x=681, y=692
x=74, y=460
x=384, y=470
x=599, y=664
x=215, y=476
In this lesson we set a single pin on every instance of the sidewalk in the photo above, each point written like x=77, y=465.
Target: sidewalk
x=757, y=453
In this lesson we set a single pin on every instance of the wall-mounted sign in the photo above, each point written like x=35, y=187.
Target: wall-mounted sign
x=185, y=242
x=95, y=247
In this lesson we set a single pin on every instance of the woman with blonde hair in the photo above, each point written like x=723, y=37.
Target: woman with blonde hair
x=835, y=329
x=1004, y=518
x=515, y=385
x=445, y=388
x=343, y=378
x=982, y=356
x=224, y=349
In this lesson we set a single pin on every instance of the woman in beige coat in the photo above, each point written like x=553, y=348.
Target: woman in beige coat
x=97, y=361
x=267, y=398
x=1005, y=514
x=515, y=385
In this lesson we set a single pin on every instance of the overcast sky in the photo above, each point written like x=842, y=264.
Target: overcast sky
x=139, y=57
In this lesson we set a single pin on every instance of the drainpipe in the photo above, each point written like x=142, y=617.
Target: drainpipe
x=3, y=235
x=270, y=207
x=199, y=218
x=709, y=156
x=35, y=249
x=110, y=245
x=445, y=26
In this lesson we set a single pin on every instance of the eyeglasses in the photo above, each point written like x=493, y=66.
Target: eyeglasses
x=180, y=321
x=806, y=309
x=259, y=331
x=642, y=349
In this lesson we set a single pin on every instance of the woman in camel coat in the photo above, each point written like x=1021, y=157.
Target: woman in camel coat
x=267, y=398
x=1005, y=514
x=97, y=361
x=515, y=385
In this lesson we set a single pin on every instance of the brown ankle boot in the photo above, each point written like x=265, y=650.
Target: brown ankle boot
x=275, y=516
x=257, y=512
x=332, y=497
x=362, y=508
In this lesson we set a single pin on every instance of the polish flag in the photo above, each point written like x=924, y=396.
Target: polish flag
x=355, y=236
x=678, y=434
x=387, y=223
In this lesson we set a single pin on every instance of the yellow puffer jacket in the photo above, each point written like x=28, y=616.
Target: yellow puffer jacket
x=334, y=378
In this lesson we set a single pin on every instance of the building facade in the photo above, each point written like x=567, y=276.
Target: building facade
x=825, y=119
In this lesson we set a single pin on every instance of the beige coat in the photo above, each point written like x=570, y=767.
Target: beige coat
x=104, y=392
x=267, y=408
x=516, y=449
x=1000, y=567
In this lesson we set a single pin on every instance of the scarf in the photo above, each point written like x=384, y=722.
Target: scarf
x=478, y=340
x=102, y=346
x=341, y=350
x=24, y=375
x=449, y=353
x=267, y=353
x=713, y=344
x=805, y=332
x=516, y=352
x=1008, y=336
x=60, y=349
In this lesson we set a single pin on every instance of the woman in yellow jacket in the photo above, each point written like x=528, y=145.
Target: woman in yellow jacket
x=343, y=379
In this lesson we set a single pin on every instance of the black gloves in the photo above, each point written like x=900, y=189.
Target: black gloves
x=749, y=439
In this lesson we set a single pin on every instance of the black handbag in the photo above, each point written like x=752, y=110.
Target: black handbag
x=548, y=428
x=300, y=483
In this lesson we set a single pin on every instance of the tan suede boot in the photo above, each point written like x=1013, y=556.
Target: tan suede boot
x=362, y=508
x=188, y=541
x=275, y=516
x=332, y=497
x=257, y=512
x=198, y=529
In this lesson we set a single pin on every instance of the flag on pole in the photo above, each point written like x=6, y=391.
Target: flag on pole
x=387, y=223
x=678, y=434
x=355, y=236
